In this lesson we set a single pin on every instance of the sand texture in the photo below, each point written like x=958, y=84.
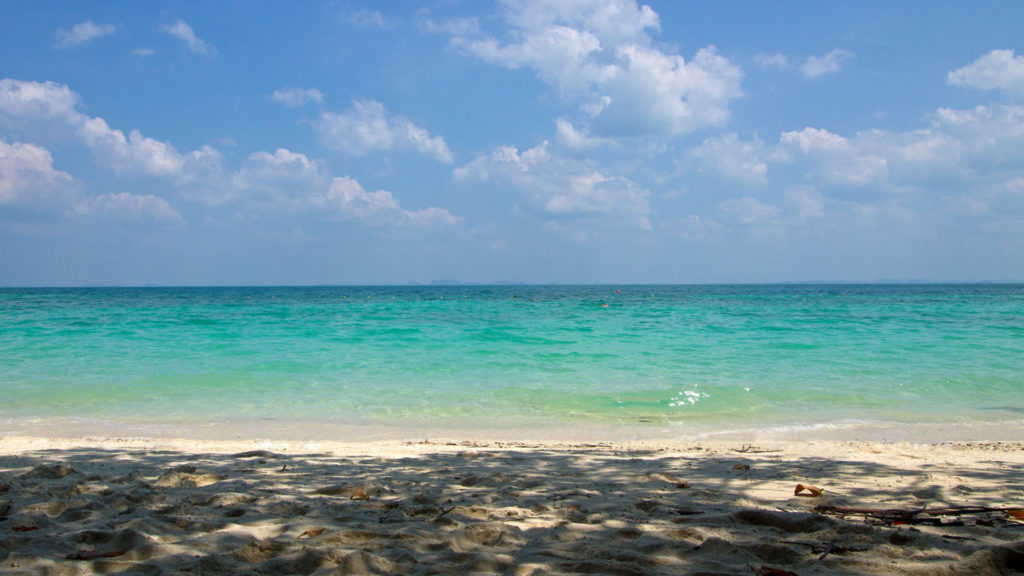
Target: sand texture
x=146, y=507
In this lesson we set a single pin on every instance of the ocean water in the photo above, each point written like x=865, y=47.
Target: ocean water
x=514, y=357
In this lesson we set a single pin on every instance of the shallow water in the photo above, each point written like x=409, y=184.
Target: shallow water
x=490, y=357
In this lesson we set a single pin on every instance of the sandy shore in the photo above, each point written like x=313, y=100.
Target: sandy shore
x=161, y=506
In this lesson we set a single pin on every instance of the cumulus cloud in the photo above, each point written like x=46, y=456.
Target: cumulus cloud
x=997, y=70
x=291, y=182
x=28, y=103
x=732, y=158
x=296, y=97
x=837, y=161
x=958, y=145
x=29, y=180
x=132, y=153
x=507, y=163
x=814, y=140
x=83, y=33
x=347, y=198
x=575, y=138
x=601, y=56
x=262, y=168
x=27, y=175
x=182, y=31
x=22, y=101
x=368, y=126
x=271, y=182
x=282, y=180
x=832, y=62
x=559, y=187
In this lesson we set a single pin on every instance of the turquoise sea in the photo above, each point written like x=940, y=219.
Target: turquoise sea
x=508, y=357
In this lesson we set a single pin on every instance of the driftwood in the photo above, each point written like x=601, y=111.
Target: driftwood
x=916, y=515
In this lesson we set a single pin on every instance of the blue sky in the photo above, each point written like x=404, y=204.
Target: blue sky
x=571, y=141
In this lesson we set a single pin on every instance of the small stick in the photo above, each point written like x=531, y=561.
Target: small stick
x=438, y=517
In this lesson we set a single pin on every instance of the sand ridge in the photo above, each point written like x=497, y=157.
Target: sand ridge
x=137, y=506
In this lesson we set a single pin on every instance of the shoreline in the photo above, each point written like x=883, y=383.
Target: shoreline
x=89, y=505
x=318, y=430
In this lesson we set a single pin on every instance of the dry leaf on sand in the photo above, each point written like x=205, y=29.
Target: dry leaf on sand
x=812, y=491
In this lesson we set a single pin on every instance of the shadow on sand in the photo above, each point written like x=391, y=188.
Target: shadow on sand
x=572, y=510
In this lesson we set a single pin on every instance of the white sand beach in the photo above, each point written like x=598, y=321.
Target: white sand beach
x=164, y=506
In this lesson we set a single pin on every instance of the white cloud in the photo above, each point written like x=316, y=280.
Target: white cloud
x=814, y=140
x=832, y=62
x=964, y=146
x=283, y=180
x=593, y=192
x=134, y=153
x=369, y=126
x=507, y=164
x=22, y=102
x=28, y=180
x=600, y=55
x=296, y=97
x=568, y=135
x=143, y=52
x=732, y=158
x=182, y=31
x=47, y=103
x=129, y=207
x=83, y=33
x=347, y=198
x=27, y=176
x=777, y=60
x=997, y=70
x=290, y=182
x=559, y=187
x=269, y=182
x=263, y=167
x=430, y=217
x=836, y=159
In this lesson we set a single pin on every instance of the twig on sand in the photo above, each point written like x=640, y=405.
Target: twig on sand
x=442, y=514
x=751, y=449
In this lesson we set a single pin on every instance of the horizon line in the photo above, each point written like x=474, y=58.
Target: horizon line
x=456, y=283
